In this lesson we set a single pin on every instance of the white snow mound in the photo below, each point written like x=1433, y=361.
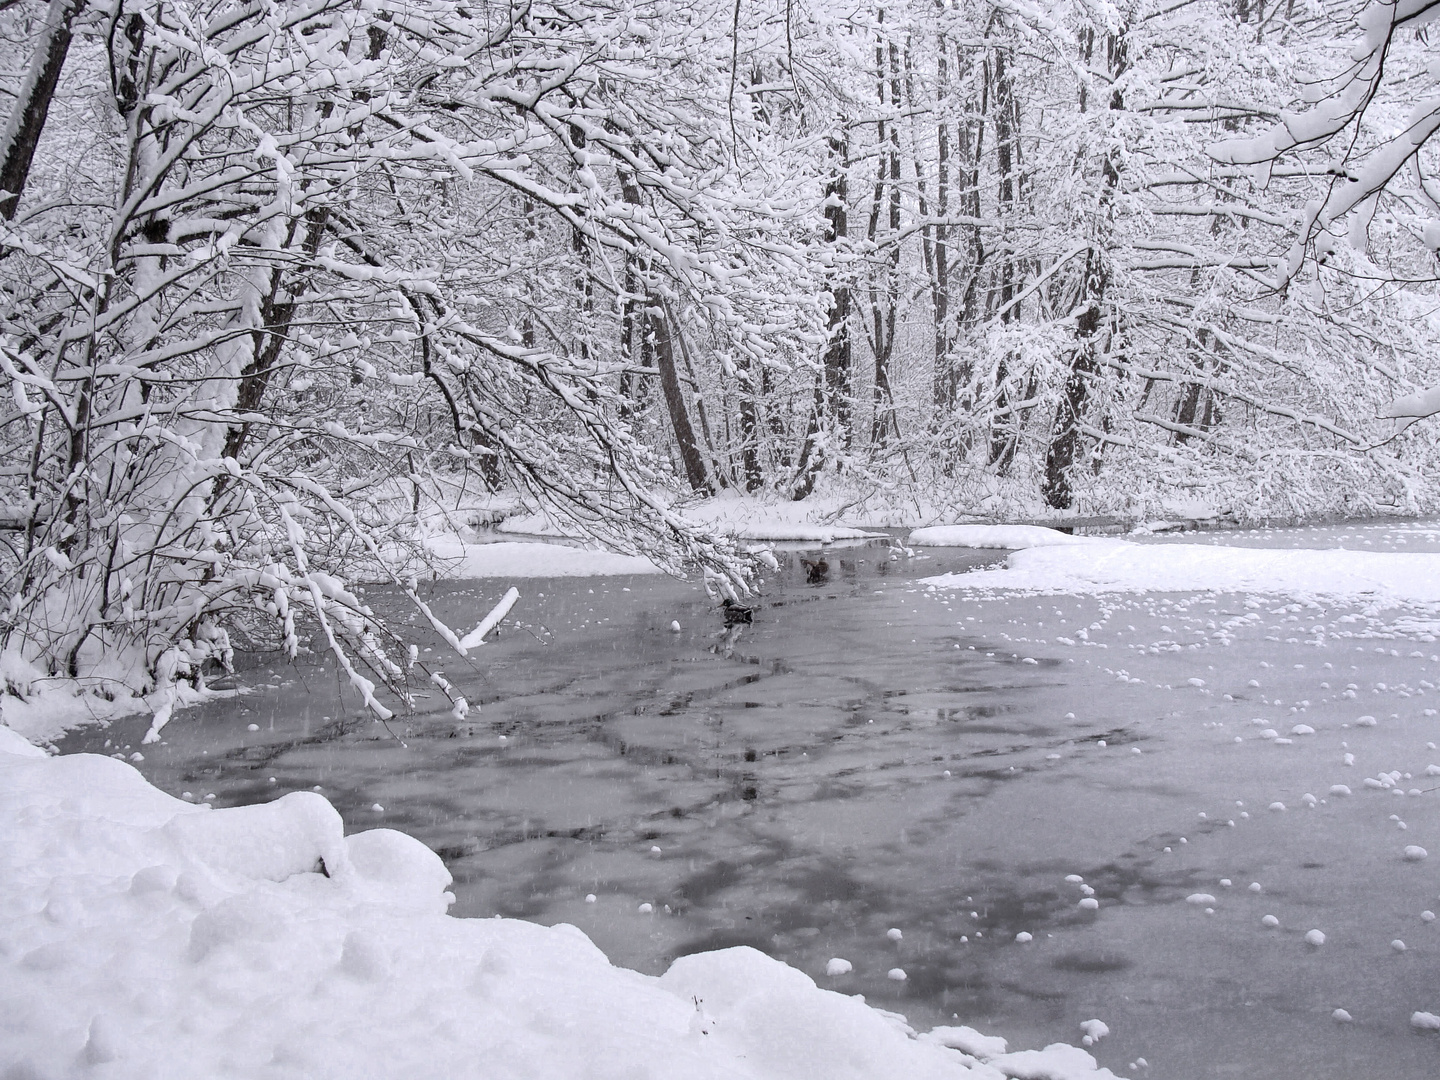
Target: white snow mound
x=153, y=938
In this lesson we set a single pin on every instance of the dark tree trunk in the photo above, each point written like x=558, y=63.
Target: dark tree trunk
x=774, y=423
x=970, y=151
x=1004, y=435
x=527, y=326
x=32, y=103
x=1065, y=435
x=832, y=385
x=885, y=293
x=837, y=342
x=749, y=429
x=632, y=389
x=935, y=240
x=1186, y=408
x=810, y=459
x=1065, y=443
x=690, y=455
x=276, y=315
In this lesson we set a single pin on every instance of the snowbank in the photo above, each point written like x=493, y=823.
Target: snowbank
x=1011, y=537
x=1388, y=578
x=156, y=938
x=781, y=531
x=42, y=708
x=748, y=518
x=516, y=559
x=731, y=514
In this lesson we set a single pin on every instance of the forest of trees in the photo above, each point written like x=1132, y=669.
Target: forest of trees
x=279, y=276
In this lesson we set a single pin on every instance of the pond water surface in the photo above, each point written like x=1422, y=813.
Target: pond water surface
x=872, y=756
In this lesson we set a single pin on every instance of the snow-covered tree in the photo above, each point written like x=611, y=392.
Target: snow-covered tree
x=301, y=277
x=1364, y=139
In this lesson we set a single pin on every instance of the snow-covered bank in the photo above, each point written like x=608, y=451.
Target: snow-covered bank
x=150, y=937
x=731, y=514
x=43, y=707
x=1386, y=578
x=1010, y=537
x=754, y=519
x=518, y=559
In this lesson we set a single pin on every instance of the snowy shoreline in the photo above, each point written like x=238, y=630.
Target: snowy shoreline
x=154, y=937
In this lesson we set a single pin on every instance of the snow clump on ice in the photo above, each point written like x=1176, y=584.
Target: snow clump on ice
x=967, y=1041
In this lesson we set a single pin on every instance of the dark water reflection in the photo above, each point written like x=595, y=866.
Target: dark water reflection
x=865, y=756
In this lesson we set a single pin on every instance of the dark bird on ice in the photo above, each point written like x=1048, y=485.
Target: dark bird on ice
x=737, y=613
x=817, y=572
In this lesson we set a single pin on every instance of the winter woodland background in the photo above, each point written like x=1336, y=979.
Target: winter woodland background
x=286, y=284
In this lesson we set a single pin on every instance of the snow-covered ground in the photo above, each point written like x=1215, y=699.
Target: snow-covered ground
x=1011, y=537
x=735, y=515
x=533, y=554
x=530, y=559
x=145, y=936
x=749, y=519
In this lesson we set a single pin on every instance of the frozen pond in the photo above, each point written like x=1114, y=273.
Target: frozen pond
x=870, y=755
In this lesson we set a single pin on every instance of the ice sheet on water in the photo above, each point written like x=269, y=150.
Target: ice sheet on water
x=1386, y=579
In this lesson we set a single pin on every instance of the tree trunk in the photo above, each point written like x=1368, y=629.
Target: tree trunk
x=810, y=458
x=632, y=388
x=1065, y=443
x=832, y=387
x=749, y=428
x=32, y=103
x=1065, y=436
x=275, y=315
x=969, y=151
x=885, y=292
x=1005, y=435
x=677, y=334
x=935, y=240
x=690, y=455
x=837, y=338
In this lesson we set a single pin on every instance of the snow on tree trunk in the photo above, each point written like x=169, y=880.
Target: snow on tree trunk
x=27, y=116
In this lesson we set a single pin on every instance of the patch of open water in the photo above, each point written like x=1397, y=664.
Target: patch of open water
x=869, y=755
